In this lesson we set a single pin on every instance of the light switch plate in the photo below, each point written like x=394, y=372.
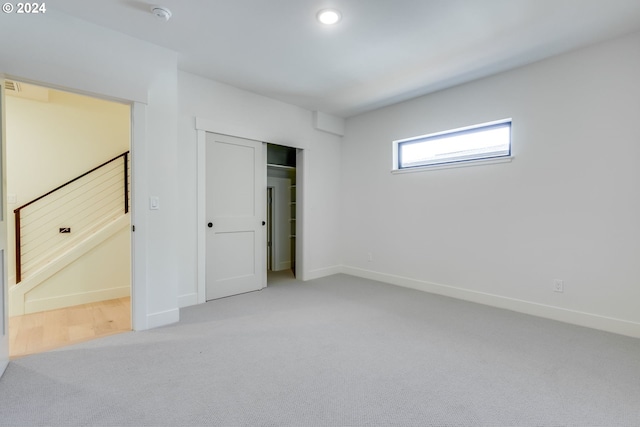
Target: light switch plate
x=154, y=202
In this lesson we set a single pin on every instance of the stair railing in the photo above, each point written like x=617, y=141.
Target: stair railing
x=93, y=172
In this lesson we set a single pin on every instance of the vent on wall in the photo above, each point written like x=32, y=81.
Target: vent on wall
x=12, y=86
x=27, y=91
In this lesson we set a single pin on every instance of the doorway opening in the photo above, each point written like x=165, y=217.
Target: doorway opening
x=281, y=213
x=68, y=179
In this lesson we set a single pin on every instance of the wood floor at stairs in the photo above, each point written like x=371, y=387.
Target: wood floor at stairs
x=47, y=330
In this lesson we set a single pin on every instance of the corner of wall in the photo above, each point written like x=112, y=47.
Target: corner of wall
x=327, y=123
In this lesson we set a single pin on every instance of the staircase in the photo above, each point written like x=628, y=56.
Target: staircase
x=72, y=243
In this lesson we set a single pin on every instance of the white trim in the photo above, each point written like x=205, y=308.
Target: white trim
x=242, y=131
x=187, y=300
x=52, y=303
x=461, y=164
x=271, y=222
x=302, y=162
x=139, y=190
x=462, y=129
x=323, y=272
x=263, y=202
x=163, y=318
x=201, y=215
x=271, y=165
x=4, y=282
x=574, y=317
x=283, y=265
x=226, y=128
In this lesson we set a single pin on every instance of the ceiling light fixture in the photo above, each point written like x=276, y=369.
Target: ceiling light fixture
x=329, y=16
x=161, y=12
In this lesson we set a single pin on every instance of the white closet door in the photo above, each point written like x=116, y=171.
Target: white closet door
x=235, y=212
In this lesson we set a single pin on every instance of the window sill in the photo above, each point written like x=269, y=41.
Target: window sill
x=463, y=164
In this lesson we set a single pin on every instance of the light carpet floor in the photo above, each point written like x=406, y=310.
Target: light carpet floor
x=336, y=351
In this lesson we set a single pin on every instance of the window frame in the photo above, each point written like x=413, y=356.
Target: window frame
x=491, y=159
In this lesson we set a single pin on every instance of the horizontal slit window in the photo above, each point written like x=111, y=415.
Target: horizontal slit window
x=479, y=142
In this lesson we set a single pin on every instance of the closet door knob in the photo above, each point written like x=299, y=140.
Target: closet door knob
x=210, y=225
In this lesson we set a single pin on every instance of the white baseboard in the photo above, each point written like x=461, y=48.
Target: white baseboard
x=284, y=265
x=322, y=272
x=589, y=320
x=162, y=318
x=187, y=300
x=44, y=304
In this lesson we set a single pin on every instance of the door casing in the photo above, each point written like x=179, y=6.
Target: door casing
x=4, y=291
x=138, y=155
x=270, y=227
x=206, y=125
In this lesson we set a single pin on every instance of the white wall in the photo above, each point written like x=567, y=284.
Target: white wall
x=64, y=52
x=275, y=122
x=567, y=207
x=60, y=139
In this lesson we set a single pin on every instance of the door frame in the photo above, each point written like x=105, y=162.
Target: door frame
x=4, y=276
x=270, y=225
x=137, y=208
x=202, y=127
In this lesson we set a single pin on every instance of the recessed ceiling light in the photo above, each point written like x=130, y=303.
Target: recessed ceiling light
x=329, y=16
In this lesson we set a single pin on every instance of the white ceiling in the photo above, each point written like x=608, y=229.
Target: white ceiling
x=382, y=52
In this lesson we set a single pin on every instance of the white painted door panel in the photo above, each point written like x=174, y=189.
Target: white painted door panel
x=4, y=320
x=235, y=187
